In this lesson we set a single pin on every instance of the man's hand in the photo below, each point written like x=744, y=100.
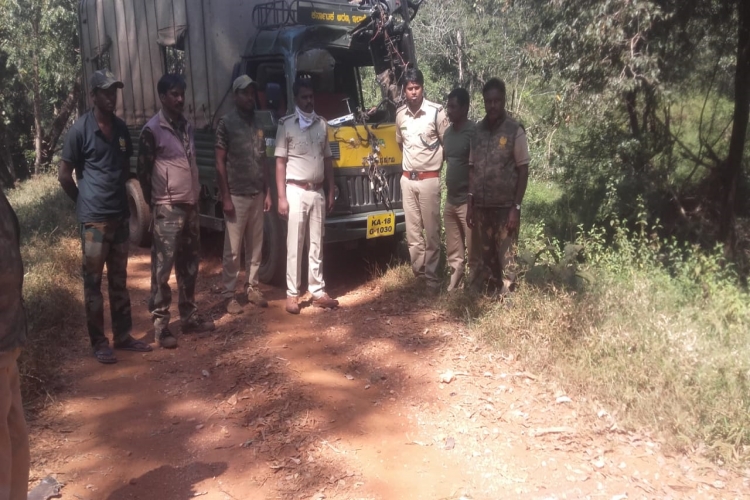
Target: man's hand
x=227, y=206
x=514, y=218
x=267, y=202
x=283, y=208
x=331, y=201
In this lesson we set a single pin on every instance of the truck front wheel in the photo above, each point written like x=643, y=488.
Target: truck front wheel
x=140, y=214
x=273, y=262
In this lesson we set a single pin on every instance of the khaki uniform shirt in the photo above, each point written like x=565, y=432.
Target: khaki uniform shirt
x=421, y=135
x=496, y=155
x=304, y=150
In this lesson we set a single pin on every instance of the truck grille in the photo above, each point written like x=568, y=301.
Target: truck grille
x=335, y=149
x=361, y=196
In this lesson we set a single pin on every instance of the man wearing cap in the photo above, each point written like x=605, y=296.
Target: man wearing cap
x=245, y=194
x=168, y=173
x=303, y=167
x=420, y=125
x=98, y=149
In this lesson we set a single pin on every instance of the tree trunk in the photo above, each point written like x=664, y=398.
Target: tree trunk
x=731, y=170
x=8, y=174
x=630, y=103
x=460, y=54
x=58, y=125
x=37, y=100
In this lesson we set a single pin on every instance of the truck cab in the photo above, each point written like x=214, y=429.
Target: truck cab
x=353, y=53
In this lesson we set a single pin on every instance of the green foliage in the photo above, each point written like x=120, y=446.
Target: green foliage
x=41, y=63
x=655, y=329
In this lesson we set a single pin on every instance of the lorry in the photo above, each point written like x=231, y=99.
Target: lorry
x=354, y=52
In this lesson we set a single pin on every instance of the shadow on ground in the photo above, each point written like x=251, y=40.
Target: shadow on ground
x=257, y=403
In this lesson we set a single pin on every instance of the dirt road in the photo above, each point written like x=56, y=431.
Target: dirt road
x=344, y=404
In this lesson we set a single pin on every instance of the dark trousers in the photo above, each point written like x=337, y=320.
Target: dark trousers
x=497, y=268
x=106, y=243
x=176, y=243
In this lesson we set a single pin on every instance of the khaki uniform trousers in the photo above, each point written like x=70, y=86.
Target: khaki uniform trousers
x=421, y=202
x=307, y=215
x=460, y=241
x=14, y=437
x=246, y=226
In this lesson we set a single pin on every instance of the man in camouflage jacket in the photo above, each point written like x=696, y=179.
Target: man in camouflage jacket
x=499, y=171
x=242, y=175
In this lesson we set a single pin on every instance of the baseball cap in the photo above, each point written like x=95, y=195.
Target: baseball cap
x=241, y=82
x=104, y=79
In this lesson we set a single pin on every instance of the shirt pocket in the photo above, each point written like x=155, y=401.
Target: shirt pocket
x=299, y=146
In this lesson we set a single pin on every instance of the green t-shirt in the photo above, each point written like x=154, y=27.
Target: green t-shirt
x=456, y=146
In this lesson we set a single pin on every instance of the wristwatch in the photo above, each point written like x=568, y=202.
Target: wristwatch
x=517, y=206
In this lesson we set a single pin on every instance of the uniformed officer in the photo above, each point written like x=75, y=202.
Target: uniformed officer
x=420, y=125
x=303, y=167
x=245, y=193
x=499, y=172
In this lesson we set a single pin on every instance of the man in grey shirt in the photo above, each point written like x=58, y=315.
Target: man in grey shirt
x=459, y=238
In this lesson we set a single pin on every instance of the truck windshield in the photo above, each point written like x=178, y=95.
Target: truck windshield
x=342, y=84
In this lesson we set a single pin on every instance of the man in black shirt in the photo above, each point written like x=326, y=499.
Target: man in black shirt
x=98, y=148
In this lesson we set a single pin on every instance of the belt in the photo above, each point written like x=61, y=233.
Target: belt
x=420, y=176
x=307, y=186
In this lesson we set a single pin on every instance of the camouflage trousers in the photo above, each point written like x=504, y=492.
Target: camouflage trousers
x=176, y=243
x=497, y=270
x=106, y=243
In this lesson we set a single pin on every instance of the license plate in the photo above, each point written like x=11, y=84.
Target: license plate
x=381, y=225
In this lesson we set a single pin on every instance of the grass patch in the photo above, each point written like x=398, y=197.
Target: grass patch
x=658, y=332
x=53, y=291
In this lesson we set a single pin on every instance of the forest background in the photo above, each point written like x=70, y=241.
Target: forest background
x=636, y=240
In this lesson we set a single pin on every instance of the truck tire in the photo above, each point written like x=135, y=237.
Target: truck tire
x=273, y=261
x=140, y=214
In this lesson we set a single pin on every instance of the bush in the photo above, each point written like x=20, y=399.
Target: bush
x=655, y=329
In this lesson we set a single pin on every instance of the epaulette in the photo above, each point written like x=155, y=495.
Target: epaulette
x=434, y=105
x=285, y=118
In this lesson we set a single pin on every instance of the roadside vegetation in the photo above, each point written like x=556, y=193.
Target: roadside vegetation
x=656, y=331
x=53, y=292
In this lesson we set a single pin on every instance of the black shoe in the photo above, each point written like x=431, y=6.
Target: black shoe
x=196, y=324
x=165, y=339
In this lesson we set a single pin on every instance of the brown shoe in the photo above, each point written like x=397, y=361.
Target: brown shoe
x=234, y=307
x=291, y=305
x=325, y=302
x=256, y=297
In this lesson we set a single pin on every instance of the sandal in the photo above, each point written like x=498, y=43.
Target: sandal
x=104, y=355
x=131, y=344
